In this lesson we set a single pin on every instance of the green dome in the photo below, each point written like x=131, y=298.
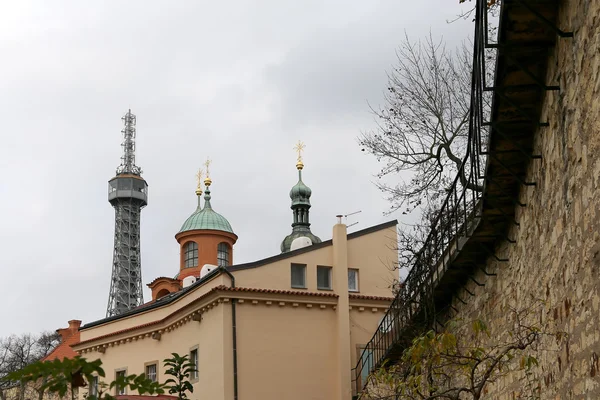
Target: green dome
x=300, y=193
x=206, y=219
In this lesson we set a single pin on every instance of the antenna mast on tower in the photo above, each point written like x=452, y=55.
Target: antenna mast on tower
x=128, y=194
x=128, y=158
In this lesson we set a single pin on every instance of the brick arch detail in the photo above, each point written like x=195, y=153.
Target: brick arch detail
x=162, y=286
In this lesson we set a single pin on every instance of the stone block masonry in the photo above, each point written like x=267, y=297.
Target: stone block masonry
x=556, y=257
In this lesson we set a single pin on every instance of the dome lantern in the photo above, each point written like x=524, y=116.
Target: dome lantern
x=300, y=196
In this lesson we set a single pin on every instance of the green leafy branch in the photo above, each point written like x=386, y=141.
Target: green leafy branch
x=65, y=377
x=180, y=368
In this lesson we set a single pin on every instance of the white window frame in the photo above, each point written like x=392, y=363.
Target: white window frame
x=356, y=275
x=296, y=286
x=118, y=390
x=194, y=376
x=151, y=364
x=329, y=274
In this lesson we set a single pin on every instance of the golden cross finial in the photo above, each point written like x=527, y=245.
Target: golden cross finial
x=207, y=180
x=207, y=165
x=199, y=179
x=299, y=149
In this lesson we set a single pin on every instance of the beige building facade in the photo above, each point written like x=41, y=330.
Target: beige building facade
x=289, y=326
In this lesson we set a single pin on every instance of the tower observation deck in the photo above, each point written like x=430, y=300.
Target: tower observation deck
x=128, y=194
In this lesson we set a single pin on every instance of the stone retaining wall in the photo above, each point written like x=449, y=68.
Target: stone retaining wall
x=556, y=257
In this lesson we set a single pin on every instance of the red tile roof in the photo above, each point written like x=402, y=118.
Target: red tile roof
x=274, y=291
x=357, y=296
x=160, y=278
x=69, y=337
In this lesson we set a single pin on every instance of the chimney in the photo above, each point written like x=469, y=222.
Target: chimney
x=74, y=325
x=66, y=333
x=340, y=284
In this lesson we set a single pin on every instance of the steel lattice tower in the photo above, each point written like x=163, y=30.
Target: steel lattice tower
x=128, y=194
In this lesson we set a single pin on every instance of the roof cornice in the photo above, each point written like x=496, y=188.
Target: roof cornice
x=217, y=295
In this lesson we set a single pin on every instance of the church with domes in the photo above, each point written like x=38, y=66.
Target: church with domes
x=288, y=326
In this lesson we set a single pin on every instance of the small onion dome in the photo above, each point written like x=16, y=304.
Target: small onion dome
x=300, y=193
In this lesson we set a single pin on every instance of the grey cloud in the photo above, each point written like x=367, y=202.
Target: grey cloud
x=239, y=84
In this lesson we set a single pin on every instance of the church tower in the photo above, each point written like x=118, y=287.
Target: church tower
x=128, y=194
x=300, y=195
x=206, y=237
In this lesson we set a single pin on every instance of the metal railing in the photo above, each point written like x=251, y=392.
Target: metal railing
x=454, y=224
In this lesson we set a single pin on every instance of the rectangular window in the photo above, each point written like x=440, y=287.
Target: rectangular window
x=151, y=372
x=352, y=280
x=323, y=277
x=194, y=362
x=299, y=276
x=223, y=255
x=191, y=254
x=94, y=387
x=366, y=365
x=120, y=390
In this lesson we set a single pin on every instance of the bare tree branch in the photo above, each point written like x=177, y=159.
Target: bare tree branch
x=463, y=359
x=423, y=127
x=16, y=352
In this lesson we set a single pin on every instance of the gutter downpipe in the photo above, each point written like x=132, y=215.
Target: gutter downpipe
x=234, y=336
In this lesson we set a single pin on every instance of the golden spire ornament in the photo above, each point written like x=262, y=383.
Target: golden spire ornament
x=299, y=149
x=207, y=180
x=199, y=182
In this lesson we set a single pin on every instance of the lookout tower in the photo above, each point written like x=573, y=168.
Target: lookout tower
x=128, y=194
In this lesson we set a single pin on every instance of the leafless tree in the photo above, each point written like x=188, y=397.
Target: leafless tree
x=423, y=126
x=492, y=5
x=18, y=351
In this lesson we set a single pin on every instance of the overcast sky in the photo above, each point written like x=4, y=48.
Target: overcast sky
x=238, y=81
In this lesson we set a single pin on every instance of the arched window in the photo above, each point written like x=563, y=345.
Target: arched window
x=191, y=254
x=223, y=254
x=162, y=293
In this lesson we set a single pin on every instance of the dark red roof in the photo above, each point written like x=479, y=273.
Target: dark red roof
x=357, y=296
x=160, y=278
x=274, y=291
x=69, y=337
